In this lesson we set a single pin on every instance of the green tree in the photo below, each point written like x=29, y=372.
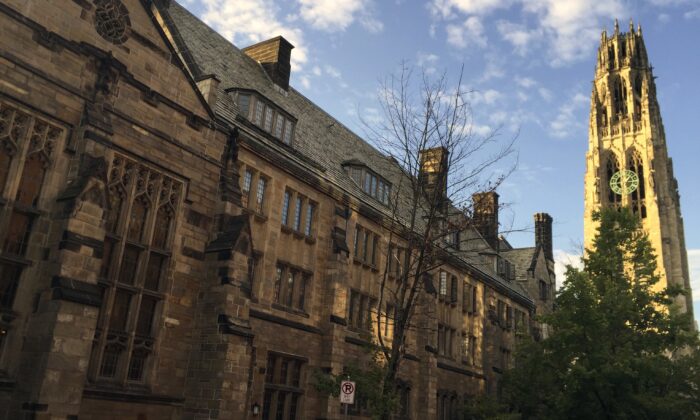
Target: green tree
x=619, y=348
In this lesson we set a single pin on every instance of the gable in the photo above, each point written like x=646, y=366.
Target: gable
x=125, y=29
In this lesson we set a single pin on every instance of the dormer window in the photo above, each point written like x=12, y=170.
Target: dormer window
x=265, y=115
x=369, y=181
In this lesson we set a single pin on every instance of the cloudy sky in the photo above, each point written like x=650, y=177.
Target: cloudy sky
x=530, y=63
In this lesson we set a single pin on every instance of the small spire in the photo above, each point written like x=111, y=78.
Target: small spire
x=631, y=26
x=617, y=27
x=639, y=29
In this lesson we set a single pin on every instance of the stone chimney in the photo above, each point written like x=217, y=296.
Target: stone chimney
x=208, y=85
x=486, y=216
x=543, y=234
x=274, y=55
x=433, y=173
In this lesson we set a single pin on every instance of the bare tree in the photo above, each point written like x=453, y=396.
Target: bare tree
x=428, y=129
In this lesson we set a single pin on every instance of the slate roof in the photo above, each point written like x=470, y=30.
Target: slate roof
x=318, y=137
x=525, y=259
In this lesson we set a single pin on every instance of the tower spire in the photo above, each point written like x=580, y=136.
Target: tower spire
x=617, y=27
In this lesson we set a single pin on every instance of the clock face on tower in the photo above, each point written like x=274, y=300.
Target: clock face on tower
x=624, y=182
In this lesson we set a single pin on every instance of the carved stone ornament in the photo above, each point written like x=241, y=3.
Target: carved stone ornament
x=112, y=21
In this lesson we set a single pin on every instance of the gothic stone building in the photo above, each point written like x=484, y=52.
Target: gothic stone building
x=184, y=235
x=627, y=163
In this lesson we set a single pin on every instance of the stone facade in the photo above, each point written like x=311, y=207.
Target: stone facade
x=626, y=136
x=181, y=235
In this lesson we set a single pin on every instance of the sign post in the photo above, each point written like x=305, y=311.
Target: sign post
x=347, y=394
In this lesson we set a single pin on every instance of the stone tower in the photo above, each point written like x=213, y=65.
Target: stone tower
x=627, y=146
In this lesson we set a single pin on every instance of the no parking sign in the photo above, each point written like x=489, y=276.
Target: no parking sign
x=347, y=392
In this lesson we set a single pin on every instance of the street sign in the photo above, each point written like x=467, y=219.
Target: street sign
x=347, y=392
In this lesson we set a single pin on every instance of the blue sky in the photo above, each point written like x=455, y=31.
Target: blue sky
x=530, y=63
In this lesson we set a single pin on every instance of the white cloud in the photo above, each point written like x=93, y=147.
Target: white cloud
x=572, y=26
x=518, y=36
x=693, y=14
x=332, y=71
x=332, y=15
x=481, y=130
x=494, y=68
x=565, y=121
x=470, y=33
x=568, y=29
x=525, y=82
x=427, y=62
x=486, y=97
x=561, y=260
x=446, y=8
x=246, y=22
x=545, y=93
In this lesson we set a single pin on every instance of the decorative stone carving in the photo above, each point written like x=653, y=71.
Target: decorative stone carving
x=112, y=21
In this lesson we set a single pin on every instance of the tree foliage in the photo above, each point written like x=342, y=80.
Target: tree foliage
x=619, y=348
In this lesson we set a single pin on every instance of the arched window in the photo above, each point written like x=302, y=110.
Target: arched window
x=638, y=85
x=637, y=197
x=138, y=243
x=611, y=168
x=619, y=97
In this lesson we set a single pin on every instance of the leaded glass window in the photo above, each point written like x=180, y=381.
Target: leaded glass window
x=138, y=244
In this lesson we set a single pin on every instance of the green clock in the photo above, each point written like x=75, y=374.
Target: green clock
x=624, y=182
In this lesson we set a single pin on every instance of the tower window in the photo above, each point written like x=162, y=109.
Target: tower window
x=619, y=97
x=637, y=197
x=611, y=168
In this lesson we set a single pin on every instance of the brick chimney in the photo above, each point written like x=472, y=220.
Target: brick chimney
x=486, y=216
x=274, y=55
x=543, y=234
x=433, y=173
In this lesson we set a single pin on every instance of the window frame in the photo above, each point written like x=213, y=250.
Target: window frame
x=289, y=385
x=369, y=182
x=280, y=124
x=136, y=338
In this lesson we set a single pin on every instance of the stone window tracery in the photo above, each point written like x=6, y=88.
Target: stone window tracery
x=27, y=153
x=638, y=196
x=139, y=228
x=112, y=20
x=619, y=97
x=611, y=168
